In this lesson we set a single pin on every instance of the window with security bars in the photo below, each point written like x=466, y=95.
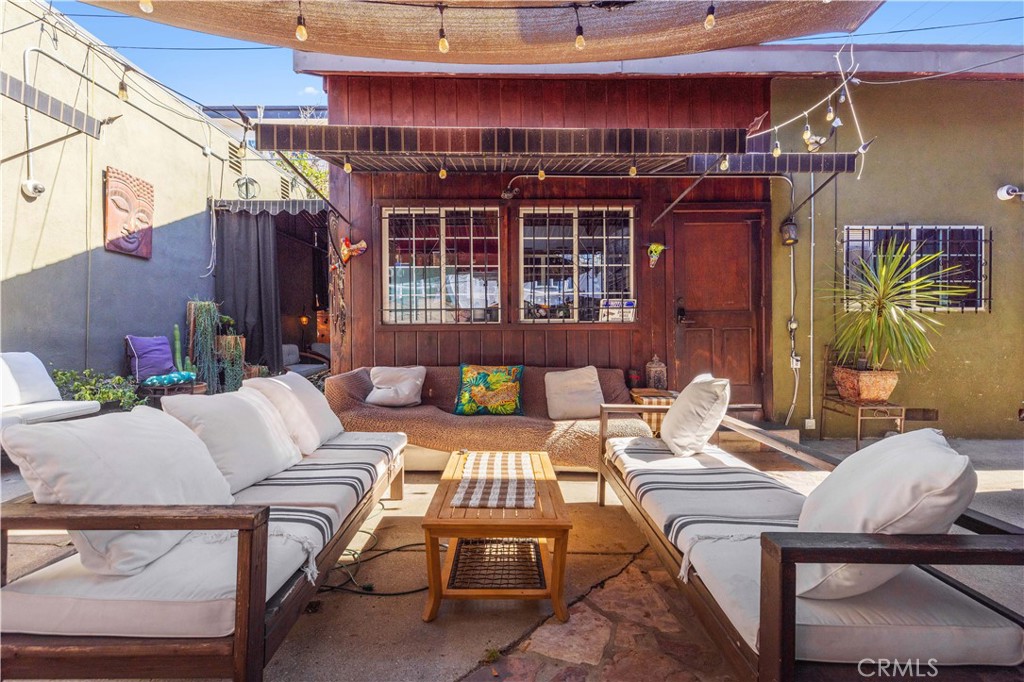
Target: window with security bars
x=967, y=248
x=576, y=261
x=441, y=265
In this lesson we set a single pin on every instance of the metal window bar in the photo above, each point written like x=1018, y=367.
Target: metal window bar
x=968, y=246
x=601, y=267
x=428, y=252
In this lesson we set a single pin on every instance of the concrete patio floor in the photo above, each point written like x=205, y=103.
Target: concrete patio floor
x=628, y=622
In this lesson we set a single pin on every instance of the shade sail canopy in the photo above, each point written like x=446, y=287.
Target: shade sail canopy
x=563, y=151
x=506, y=31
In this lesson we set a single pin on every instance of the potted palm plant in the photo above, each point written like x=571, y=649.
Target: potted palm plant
x=885, y=326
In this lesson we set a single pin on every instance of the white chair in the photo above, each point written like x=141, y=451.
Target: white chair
x=293, y=360
x=29, y=395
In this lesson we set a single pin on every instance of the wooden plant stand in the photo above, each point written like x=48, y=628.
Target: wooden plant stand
x=530, y=543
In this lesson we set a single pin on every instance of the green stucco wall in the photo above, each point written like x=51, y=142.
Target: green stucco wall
x=942, y=150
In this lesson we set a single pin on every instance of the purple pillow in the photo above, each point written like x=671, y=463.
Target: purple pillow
x=151, y=356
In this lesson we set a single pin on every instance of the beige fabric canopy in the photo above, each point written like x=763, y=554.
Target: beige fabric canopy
x=506, y=31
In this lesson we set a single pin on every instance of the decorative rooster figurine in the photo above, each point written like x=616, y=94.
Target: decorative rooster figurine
x=348, y=249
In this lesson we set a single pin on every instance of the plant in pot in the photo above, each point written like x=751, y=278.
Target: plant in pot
x=111, y=391
x=884, y=328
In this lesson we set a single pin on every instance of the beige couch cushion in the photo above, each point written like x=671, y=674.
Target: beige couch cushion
x=294, y=414
x=695, y=415
x=188, y=592
x=138, y=457
x=573, y=394
x=913, y=616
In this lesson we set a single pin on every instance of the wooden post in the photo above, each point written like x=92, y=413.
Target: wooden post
x=3, y=557
x=602, y=444
x=337, y=313
x=250, y=603
x=777, y=650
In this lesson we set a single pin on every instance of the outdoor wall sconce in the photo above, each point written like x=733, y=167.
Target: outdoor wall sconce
x=788, y=230
x=1007, y=192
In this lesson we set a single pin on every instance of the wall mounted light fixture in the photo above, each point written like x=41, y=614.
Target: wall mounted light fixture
x=1007, y=192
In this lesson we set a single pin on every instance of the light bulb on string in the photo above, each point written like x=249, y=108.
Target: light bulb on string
x=443, y=172
x=842, y=94
x=830, y=113
x=709, y=20
x=723, y=165
x=442, y=39
x=146, y=6
x=776, y=149
x=348, y=166
x=580, y=41
x=633, y=171
x=122, y=91
x=807, y=128
x=540, y=173
x=301, y=34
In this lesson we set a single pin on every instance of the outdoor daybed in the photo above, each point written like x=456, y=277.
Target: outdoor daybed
x=737, y=541
x=30, y=396
x=160, y=587
x=434, y=431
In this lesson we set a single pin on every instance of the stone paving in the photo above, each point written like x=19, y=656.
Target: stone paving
x=636, y=626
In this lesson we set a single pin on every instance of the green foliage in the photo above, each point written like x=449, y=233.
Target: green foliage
x=207, y=320
x=491, y=656
x=233, y=362
x=882, y=321
x=92, y=385
x=310, y=166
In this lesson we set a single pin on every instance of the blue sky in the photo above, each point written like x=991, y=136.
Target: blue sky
x=249, y=77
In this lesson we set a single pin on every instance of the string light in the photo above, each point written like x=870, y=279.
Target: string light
x=443, y=173
x=580, y=42
x=807, y=128
x=842, y=94
x=146, y=6
x=723, y=165
x=540, y=172
x=442, y=41
x=830, y=113
x=632, y=168
x=709, y=20
x=348, y=166
x=301, y=34
x=776, y=149
x=122, y=91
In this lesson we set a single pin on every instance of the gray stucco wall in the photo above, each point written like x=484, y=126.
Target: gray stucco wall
x=63, y=296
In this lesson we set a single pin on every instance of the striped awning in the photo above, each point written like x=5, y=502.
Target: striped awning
x=273, y=207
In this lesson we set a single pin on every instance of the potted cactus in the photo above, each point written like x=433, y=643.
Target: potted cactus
x=883, y=329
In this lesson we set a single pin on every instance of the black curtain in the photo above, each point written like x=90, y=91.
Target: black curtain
x=247, y=283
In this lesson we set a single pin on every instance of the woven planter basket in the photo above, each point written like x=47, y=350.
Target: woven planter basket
x=865, y=386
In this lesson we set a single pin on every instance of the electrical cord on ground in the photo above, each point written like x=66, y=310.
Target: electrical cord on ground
x=367, y=589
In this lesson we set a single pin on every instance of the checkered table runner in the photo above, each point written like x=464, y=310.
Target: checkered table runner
x=497, y=480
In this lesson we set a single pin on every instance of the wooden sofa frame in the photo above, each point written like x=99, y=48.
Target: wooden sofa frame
x=260, y=625
x=996, y=543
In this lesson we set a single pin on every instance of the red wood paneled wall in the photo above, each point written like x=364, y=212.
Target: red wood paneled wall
x=442, y=101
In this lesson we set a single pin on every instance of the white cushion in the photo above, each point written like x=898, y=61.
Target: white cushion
x=396, y=386
x=695, y=415
x=188, y=592
x=24, y=380
x=290, y=353
x=912, y=617
x=297, y=420
x=913, y=483
x=243, y=431
x=138, y=457
x=326, y=422
x=574, y=394
x=49, y=411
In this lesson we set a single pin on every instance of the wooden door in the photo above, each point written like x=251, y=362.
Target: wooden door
x=715, y=310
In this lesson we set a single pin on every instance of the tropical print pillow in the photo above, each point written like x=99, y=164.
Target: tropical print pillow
x=490, y=390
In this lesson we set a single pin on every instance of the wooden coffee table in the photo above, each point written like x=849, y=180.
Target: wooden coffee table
x=497, y=553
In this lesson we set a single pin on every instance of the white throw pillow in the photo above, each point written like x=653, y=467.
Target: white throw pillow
x=574, y=394
x=297, y=420
x=24, y=380
x=319, y=410
x=138, y=457
x=908, y=484
x=243, y=431
x=396, y=386
x=695, y=415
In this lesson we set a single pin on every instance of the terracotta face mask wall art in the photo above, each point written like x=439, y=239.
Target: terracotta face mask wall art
x=127, y=214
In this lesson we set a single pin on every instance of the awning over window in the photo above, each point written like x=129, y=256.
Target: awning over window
x=273, y=207
x=562, y=151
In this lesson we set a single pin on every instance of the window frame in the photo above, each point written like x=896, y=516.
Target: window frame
x=440, y=210
x=984, y=257
x=574, y=209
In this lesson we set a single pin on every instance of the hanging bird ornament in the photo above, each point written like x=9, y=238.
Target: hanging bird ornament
x=654, y=252
x=349, y=250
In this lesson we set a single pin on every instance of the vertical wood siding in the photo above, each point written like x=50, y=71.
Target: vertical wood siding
x=616, y=102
